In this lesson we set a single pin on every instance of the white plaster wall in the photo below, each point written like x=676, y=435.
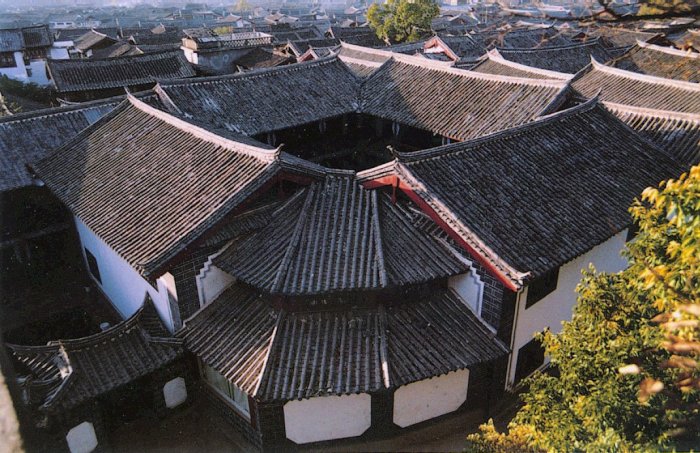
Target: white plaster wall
x=211, y=282
x=327, y=418
x=38, y=71
x=430, y=398
x=558, y=306
x=191, y=55
x=121, y=283
x=470, y=289
x=19, y=72
x=59, y=51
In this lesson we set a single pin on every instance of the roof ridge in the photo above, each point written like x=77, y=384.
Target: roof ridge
x=201, y=133
x=88, y=61
x=561, y=47
x=669, y=114
x=495, y=55
x=351, y=60
x=62, y=109
x=473, y=240
x=450, y=69
x=249, y=74
x=404, y=157
x=690, y=86
x=668, y=50
x=370, y=50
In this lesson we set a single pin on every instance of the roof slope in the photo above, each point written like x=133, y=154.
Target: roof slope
x=495, y=64
x=276, y=355
x=677, y=133
x=534, y=197
x=65, y=373
x=660, y=62
x=452, y=102
x=567, y=59
x=337, y=236
x=29, y=137
x=270, y=99
x=148, y=183
x=638, y=90
x=87, y=75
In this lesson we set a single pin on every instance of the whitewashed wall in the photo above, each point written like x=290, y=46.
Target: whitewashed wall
x=558, y=306
x=212, y=281
x=430, y=398
x=470, y=289
x=327, y=418
x=121, y=283
x=19, y=71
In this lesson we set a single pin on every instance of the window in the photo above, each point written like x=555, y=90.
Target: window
x=92, y=265
x=530, y=357
x=7, y=60
x=231, y=392
x=541, y=286
x=632, y=232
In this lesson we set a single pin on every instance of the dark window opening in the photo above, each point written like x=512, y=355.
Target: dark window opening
x=541, y=286
x=7, y=60
x=92, y=265
x=530, y=357
x=632, y=232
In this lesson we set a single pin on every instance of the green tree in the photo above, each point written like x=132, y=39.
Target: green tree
x=402, y=20
x=624, y=371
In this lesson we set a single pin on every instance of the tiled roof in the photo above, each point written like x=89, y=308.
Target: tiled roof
x=37, y=36
x=639, y=90
x=621, y=37
x=90, y=39
x=568, y=59
x=452, y=102
x=532, y=198
x=65, y=373
x=149, y=184
x=523, y=39
x=87, y=75
x=660, y=62
x=677, y=133
x=11, y=40
x=278, y=355
x=119, y=49
x=268, y=99
x=336, y=236
x=29, y=137
x=259, y=58
x=495, y=64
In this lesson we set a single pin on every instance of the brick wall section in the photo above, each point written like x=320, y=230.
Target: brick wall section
x=491, y=305
x=185, y=274
x=228, y=415
x=159, y=378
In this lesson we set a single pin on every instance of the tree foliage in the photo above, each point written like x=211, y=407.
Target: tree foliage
x=402, y=20
x=625, y=372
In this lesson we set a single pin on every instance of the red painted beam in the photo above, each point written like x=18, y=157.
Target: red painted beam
x=394, y=181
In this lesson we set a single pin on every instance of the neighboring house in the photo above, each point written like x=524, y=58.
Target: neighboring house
x=218, y=53
x=569, y=59
x=24, y=51
x=659, y=61
x=87, y=79
x=662, y=109
x=71, y=384
x=92, y=41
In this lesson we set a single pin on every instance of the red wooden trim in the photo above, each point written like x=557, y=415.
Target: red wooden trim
x=394, y=181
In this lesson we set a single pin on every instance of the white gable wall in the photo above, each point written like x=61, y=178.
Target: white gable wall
x=550, y=311
x=121, y=283
x=327, y=417
x=430, y=398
